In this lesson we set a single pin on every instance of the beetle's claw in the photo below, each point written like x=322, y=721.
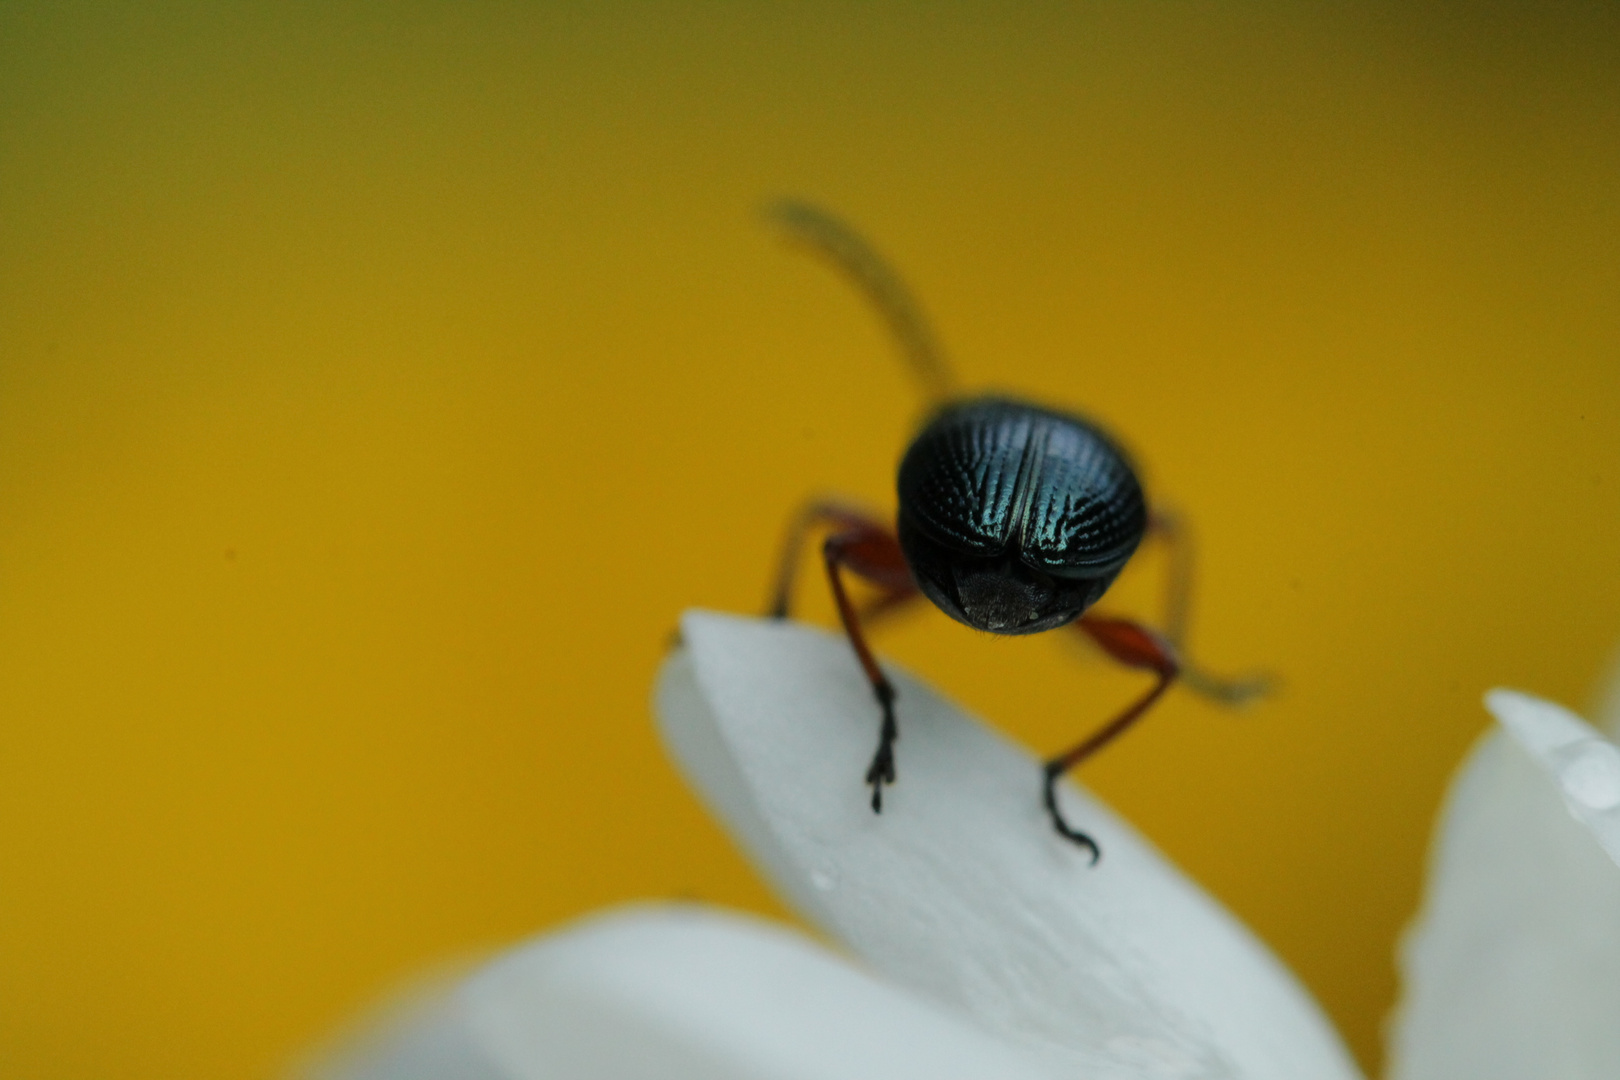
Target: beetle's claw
x=1075, y=836
x=1062, y=827
x=880, y=772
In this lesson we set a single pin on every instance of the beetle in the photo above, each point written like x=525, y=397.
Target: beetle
x=1014, y=518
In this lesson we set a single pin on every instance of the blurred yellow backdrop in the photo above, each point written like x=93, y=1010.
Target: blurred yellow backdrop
x=379, y=381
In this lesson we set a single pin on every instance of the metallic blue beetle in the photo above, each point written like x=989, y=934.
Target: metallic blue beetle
x=1014, y=518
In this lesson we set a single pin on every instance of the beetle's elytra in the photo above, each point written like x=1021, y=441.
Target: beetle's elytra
x=1014, y=518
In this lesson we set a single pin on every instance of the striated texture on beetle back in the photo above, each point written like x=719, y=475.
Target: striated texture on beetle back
x=1085, y=509
x=959, y=479
x=993, y=476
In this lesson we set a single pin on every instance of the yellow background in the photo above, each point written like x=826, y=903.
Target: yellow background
x=379, y=381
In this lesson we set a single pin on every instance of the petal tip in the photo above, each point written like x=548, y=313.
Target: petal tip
x=1584, y=764
x=960, y=889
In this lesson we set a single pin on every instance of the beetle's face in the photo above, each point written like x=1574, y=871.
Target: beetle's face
x=999, y=595
x=1007, y=597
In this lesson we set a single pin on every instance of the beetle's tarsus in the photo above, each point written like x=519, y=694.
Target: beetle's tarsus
x=881, y=771
x=1062, y=827
x=1233, y=692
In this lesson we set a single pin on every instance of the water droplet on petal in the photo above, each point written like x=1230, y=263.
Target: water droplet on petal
x=1590, y=774
x=823, y=881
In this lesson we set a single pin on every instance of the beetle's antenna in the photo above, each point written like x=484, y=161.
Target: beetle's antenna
x=837, y=242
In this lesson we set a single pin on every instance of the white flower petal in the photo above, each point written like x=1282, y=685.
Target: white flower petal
x=1585, y=765
x=1512, y=969
x=666, y=993
x=960, y=888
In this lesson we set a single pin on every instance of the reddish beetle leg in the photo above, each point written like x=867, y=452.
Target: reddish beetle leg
x=868, y=549
x=1135, y=646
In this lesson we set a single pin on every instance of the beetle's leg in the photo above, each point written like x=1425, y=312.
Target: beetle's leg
x=812, y=514
x=871, y=551
x=897, y=587
x=1169, y=527
x=1172, y=530
x=1135, y=646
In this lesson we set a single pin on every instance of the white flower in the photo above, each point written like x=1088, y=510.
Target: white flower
x=990, y=947
x=1512, y=969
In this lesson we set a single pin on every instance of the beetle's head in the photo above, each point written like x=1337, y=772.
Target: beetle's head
x=1000, y=594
